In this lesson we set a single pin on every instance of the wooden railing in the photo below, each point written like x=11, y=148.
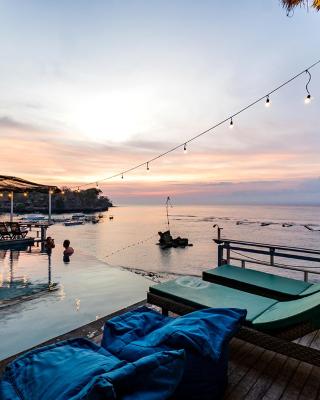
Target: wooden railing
x=229, y=249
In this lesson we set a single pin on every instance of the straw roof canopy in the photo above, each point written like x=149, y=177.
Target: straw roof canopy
x=291, y=4
x=18, y=185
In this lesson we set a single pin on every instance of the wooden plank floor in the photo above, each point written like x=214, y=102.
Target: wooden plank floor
x=258, y=374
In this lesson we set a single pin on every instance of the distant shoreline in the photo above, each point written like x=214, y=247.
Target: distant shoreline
x=54, y=211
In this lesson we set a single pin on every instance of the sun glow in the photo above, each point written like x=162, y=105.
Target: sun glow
x=113, y=116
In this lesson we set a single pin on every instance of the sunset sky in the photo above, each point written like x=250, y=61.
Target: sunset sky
x=91, y=88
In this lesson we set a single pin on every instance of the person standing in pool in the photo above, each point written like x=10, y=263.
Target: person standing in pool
x=68, y=250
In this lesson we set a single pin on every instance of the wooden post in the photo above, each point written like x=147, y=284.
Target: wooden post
x=43, y=236
x=11, y=208
x=49, y=271
x=49, y=216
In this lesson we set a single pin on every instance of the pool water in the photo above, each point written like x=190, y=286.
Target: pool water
x=87, y=289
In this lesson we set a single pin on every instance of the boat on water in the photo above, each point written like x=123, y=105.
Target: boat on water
x=78, y=216
x=73, y=223
x=34, y=218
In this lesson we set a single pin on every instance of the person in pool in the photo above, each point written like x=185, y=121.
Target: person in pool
x=68, y=250
x=49, y=244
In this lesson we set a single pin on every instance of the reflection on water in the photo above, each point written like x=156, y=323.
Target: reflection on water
x=77, y=304
x=15, y=289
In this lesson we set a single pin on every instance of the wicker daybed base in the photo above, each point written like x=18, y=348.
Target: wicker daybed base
x=280, y=342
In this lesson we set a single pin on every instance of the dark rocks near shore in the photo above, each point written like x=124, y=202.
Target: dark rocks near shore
x=166, y=241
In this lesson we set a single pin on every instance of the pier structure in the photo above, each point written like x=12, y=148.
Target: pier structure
x=10, y=185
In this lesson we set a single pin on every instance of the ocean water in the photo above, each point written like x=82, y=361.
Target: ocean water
x=113, y=258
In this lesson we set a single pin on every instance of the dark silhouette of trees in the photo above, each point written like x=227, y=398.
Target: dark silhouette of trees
x=68, y=200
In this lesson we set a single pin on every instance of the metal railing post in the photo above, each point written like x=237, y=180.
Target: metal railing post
x=227, y=246
x=220, y=255
x=272, y=250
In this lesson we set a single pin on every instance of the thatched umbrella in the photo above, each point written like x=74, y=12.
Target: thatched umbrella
x=291, y=4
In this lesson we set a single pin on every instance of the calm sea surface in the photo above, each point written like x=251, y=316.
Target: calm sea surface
x=98, y=279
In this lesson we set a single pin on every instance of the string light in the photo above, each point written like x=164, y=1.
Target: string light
x=185, y=148
x=229, y=118
x=62, y=192
x=1, y=194
x=268, y=102
x=231, y=123
x=9, y=195
x=25, y=194
x=51, y=191
x=148, y=166
x=308, y=99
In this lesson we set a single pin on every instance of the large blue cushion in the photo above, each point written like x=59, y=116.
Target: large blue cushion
x=204, y=335
x=79, y=369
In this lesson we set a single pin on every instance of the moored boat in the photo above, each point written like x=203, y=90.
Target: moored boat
x=72, y=223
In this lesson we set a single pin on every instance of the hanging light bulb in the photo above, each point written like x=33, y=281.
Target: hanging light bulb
x=148, y=166
x=268, y=102
x=62, y=192
x=78, y=190
x=10, y=195
x=25, y=194
x=231, y=123
x=51, y=191
x=308, y=99
x=121, y=176
x=1, y=194
x=97, y=185
x=185, y=148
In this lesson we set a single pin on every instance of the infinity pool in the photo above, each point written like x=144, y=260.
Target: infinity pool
x=87, y=289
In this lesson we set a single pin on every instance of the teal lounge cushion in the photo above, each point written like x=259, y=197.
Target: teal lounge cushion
x=313, y=288
x=230, y=274
x=200, y=294
x=284, y=314
x=263, y=313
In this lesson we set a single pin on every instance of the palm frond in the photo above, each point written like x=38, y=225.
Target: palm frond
x=289, y=5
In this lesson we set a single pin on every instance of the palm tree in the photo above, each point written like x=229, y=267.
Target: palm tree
x=291, y=4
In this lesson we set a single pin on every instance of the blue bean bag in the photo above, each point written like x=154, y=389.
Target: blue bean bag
x=79, y=369
x=204, y=335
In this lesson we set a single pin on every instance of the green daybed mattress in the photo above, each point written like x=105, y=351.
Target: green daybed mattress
x=259, y=282
x=262, y=313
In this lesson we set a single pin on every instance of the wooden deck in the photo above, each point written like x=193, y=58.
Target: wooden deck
x=258, y=374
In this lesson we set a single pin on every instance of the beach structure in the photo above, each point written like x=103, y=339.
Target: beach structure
x=12, y=185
